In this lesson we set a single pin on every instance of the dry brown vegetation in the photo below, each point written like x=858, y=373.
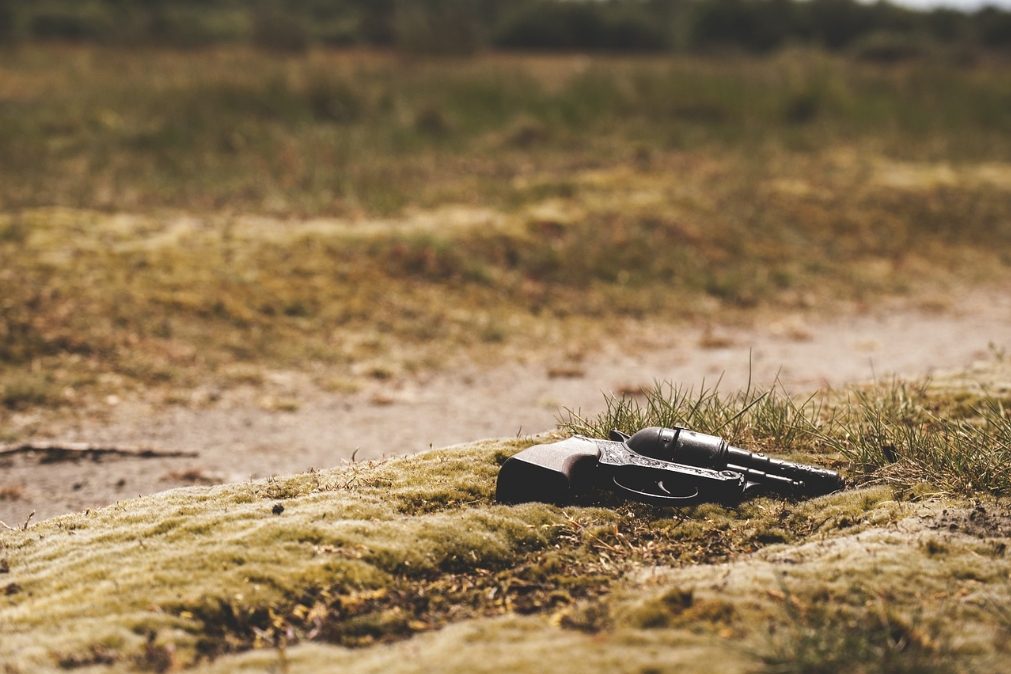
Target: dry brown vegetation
x=11, y=492
x=240, y=214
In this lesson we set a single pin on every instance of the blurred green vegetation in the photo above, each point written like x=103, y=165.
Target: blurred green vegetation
x=336, y=133
x=462, y=26
x=166, y=215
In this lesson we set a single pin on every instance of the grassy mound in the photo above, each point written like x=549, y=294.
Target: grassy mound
x=882, y=600
x=409, y=565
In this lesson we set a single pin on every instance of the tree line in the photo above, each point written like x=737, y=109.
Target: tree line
x=465, y=26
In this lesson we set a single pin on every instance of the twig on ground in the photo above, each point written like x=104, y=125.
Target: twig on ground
x=72, y=451
x=24, y=527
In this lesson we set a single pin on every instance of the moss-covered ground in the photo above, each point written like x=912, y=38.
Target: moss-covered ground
x=409, y=565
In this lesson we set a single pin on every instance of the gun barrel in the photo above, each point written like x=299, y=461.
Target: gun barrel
x=709, y=451
x=815, y=480
x=779, y=483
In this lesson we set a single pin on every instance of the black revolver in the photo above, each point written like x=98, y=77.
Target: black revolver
x=561, y=472
x=651, y=466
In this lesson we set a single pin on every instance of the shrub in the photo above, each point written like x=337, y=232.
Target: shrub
x=948, y=25
x=280, y=31
x=7, y=22
x=754, y=26
x=88, y=23
x=888, y=48
x=993, y=27
x=837, y=23
x=437, y=27
x=553, y=25
x=194, y=26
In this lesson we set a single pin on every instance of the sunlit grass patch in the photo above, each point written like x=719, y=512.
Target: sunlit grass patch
x=902, y=433
x=896, y=434
x=873, y=601
x=364, y=555
x=355, y=556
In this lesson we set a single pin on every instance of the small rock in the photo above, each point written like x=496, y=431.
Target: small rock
x=382, y=399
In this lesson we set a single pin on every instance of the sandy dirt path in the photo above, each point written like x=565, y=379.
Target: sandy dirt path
x=237, y=440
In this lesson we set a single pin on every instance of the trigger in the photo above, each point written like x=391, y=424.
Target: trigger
x=618, y=436
x=663, y=487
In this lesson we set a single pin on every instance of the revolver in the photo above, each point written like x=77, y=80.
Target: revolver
x=663, y=466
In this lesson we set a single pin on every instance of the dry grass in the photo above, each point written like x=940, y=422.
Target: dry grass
x=147, y=302
x=767, y=418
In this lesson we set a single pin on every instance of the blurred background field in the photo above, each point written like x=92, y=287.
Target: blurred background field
x=194, y=192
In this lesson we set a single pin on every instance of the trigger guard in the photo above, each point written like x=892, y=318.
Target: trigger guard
x=660, y=499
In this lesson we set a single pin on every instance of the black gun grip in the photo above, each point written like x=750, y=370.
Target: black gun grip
x=551, y=473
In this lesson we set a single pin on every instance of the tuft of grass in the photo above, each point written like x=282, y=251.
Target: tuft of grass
x=900, y=433
x=767, y=417
x=895, y=434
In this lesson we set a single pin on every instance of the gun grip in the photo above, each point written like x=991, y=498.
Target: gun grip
x=551, y=473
